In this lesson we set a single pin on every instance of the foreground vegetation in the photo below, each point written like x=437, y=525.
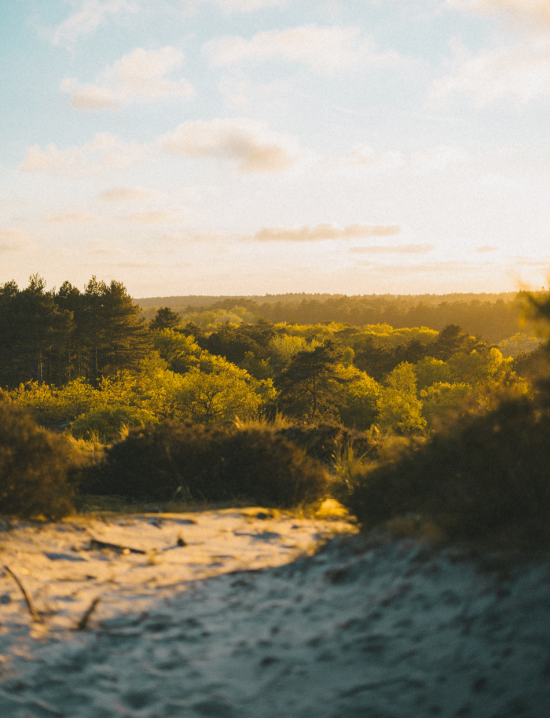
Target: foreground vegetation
x=420, y=431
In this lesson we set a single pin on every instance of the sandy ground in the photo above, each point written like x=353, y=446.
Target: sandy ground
x=245, y=621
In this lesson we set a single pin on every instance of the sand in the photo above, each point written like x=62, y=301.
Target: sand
x=247, y=620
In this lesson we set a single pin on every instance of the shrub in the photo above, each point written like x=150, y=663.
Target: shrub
x=211, y=463
x=484, y=477
x=326, y=441
x=34, y=467
x=107, y=422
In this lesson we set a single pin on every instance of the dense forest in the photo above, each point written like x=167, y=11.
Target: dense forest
x=91, y=362
x=494, y=316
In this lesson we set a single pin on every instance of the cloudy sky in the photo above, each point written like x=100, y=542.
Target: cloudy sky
x=253, y=146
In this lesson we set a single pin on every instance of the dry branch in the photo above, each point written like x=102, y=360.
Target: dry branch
x=34, y=613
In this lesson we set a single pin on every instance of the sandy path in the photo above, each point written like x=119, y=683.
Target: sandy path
x=393, y=631
x=63, y=570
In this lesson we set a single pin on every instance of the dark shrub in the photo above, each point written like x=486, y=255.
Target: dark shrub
x=34, y=467
x=485, y=477
x=208, y=462
x=326, y=441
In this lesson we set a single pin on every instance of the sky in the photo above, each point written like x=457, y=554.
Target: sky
x=271, y=146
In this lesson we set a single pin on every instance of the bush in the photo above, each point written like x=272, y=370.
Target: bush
x=210, y=463
x=107, y=422
x=34, y=467
x=326, y=441
x=484, y=477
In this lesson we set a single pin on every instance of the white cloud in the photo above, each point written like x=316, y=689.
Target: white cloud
x=486, y=248
x=398, y=249
x=137, y=76
x=324, y=49
x=72, y=218
x=252, y=144
x=15, y=240
x=521, y=70
x=91, y=14
x=247, y=5
x=124, y=194
x=435, y=159
x=323, y=232
x=105, y=152
x=366, y=156
x=530, y=10
x=152, y=217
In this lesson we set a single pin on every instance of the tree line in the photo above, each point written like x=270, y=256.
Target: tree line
x=56, y=336
x=494, y=319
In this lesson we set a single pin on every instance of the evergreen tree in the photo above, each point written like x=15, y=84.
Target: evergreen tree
x=311, y=384
x=34, y=331
x=165, y=318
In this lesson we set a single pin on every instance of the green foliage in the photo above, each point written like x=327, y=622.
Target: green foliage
x=34, y=467
x=485, y=477
x=398, y=407
x=310, y=386
x=442, y=400
x=326, y=442
x=209, y=463
x=432, y=371
x=165, y=318
x=358, y=405
x=107, y=422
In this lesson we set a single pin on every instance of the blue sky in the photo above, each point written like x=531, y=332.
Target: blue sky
x=253, y=146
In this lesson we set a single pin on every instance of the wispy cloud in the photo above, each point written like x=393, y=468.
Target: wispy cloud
x=72, y=218
x=104, y=152
x=15, y=240
x=323, y=232
x=124, y=194
x=152, y=217
x=531, y=10
x=486, y=248
x=522, y=70
x=324, y=49
x=85, y=21
x=254, y=146
x=398, y=249
x=138, y=76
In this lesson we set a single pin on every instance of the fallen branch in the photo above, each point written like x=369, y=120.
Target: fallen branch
x=32, y=610
x=83, y=623
x=94, y=543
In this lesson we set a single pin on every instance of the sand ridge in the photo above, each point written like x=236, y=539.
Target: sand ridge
x=356, y=630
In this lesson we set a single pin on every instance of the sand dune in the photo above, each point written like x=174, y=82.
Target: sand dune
x=245, y=621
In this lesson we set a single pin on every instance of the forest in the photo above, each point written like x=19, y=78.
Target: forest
x=227, y=383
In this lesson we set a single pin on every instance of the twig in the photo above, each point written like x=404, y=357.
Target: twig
x=83, y=623
x=34, y=613
x=94, y=543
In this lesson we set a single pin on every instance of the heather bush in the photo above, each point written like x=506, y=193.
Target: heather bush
x=214, y=463
x=35, y=467
x=484, y=477
x=326, y=441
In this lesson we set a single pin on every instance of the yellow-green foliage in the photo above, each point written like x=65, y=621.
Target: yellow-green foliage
x=393, y=337
x=432, y=371
x=479, y=366
x=398, y=407
x=482, y=477
x=34, y=467
x=359, y=405
x=519, y=344
x=204, y=388
x=442, y=400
